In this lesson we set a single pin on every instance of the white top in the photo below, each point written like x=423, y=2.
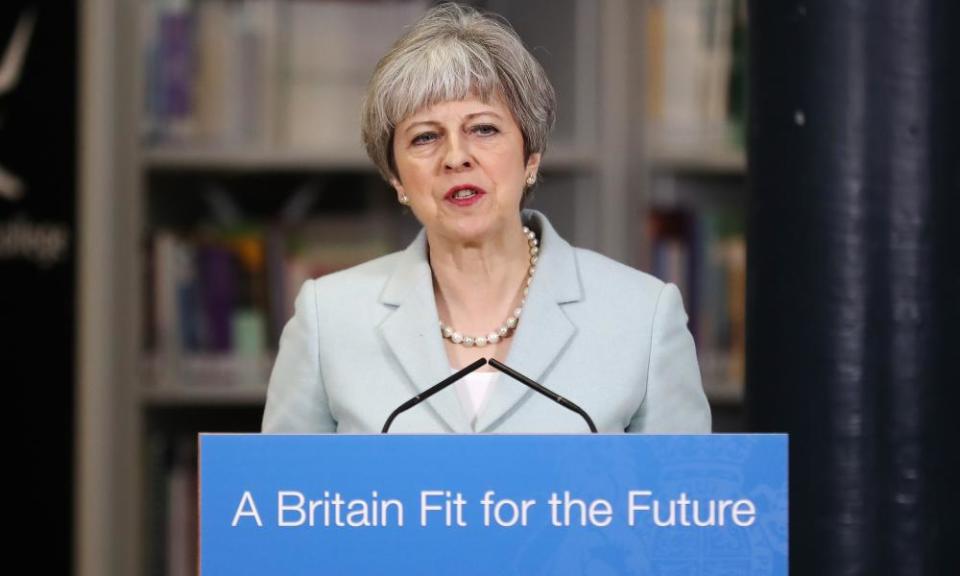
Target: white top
x=473, y=391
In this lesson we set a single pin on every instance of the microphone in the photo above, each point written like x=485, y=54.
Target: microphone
x=430, y=392
x=544, y=390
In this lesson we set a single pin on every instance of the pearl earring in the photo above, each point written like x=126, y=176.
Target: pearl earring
x=404, y=200
x=531, y=179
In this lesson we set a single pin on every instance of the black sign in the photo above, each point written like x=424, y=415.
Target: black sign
x=38, y=119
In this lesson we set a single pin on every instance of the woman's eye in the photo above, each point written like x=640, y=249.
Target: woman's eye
x=424, y=138
x=485, y=129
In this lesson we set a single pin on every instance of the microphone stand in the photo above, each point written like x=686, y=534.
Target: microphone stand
x=501, y=367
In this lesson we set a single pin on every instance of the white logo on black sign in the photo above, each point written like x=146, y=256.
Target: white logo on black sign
x=11, y=68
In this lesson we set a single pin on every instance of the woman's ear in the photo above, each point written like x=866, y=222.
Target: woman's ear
x=401, y=194
x=533, y=168
x=533, y=164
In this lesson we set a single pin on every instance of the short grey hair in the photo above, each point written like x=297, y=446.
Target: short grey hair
x=452, y=53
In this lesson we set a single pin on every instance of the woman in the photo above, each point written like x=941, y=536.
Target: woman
x=456, y=119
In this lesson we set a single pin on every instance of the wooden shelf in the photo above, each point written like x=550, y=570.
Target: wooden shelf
x=180, y=396
x=255, y=159
x=725, y=395
x=721, y=160
x=561, y=157
x=251, y=159
x=205, y=379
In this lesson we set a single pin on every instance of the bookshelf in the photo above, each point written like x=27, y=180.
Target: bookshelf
x=695, y=200
x=200, y=180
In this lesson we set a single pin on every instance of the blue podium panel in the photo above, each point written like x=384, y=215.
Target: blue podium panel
x=482, y=504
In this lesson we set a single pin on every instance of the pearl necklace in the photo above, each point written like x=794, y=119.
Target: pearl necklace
x=510, y=324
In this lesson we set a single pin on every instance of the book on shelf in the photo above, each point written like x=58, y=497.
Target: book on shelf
x=172, y=516
x=703, y=252
x=157, y=464
x=264, y=73
x=694, y=58
x=168, y=32
x=219, y=297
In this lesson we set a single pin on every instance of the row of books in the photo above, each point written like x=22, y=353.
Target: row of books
x=268, y=73
x=704, y=252
x=695, y=72
x=229, y=292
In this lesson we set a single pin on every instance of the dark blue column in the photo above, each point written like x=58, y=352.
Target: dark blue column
x=853, y=298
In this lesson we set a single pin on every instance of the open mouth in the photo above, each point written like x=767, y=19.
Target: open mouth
x=464, y=194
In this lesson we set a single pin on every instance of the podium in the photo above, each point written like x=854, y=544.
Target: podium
x=493, y=505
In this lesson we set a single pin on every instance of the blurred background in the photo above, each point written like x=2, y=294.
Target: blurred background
x=172, y=170
x=248, y=177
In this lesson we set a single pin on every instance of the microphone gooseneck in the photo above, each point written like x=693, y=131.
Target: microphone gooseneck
x=544, y=391
x=430, y=392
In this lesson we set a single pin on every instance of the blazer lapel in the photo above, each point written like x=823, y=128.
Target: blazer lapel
x=544, y=329
x=412, y=333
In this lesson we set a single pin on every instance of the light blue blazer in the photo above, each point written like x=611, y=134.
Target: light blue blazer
x=610, y=338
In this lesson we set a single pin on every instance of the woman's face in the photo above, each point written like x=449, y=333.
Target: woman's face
x=461, y=166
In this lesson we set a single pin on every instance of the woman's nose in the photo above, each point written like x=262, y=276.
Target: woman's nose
x=456, y=156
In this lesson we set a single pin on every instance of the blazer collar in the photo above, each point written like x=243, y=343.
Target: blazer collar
x=412, y=330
